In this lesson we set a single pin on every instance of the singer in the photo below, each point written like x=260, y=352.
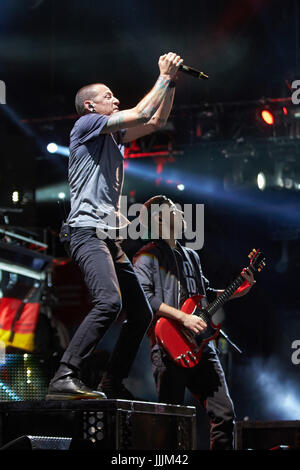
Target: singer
x=96, y=178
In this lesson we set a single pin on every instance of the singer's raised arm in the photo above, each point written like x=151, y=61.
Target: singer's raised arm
x=157, y=121
x=152, y=112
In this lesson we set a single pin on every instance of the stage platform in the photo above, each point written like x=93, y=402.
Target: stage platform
x=267, y=435
x=103, y=424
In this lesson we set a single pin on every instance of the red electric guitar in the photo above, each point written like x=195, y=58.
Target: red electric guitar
x=182, y=345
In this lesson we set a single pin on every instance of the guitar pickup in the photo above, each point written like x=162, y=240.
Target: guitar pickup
x=189, y=335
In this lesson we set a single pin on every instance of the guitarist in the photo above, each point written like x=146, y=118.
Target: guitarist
x=169, y=274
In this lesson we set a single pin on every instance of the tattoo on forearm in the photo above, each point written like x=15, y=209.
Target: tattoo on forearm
x=146, y=107
x=152, y=101
x=162, y=114
x=115, y=122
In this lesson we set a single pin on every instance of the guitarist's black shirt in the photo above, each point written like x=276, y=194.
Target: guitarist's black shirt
x=188, y=285
x=189, y=280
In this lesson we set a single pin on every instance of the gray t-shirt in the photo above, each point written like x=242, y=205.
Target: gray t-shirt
x=95, y=172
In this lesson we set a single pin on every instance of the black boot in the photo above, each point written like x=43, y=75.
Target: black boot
x=66, y=385
x=114, y=388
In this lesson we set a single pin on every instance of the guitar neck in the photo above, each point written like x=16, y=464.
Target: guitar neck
x=222, y=299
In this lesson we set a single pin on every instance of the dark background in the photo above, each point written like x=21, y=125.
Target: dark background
x=216, y=142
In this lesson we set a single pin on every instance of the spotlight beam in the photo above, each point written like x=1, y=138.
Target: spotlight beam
x=52, y=147
x=207, y=189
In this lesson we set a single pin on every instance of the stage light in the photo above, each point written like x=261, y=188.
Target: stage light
x=15, y=196
x=52, y=193
x=52, y=147
x=284, y=175
x=267, y=116
x=261, y=181
x=9, y=392
x=290, y=175
x=180, y=187
x=203, y=186
x=59, y=149
x=22, y=378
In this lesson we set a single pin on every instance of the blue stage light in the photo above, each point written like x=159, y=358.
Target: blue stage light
x=9, y=392
x=52, y=147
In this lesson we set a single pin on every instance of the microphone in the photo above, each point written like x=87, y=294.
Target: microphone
x=194, y=72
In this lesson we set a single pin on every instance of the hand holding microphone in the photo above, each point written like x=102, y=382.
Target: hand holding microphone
x=171, y=63
x=193, y=72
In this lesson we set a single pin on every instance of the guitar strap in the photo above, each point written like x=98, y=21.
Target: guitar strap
x=197, y=270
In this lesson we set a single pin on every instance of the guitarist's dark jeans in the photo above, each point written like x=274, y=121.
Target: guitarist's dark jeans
x=112, y=284
x=206, y=381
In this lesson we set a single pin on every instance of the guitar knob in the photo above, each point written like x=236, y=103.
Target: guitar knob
x=192, y=357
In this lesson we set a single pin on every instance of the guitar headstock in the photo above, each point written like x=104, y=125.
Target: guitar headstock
x=257, y=260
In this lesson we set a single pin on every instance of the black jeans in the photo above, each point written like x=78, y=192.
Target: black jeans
x=112, y=284
x=206, y=381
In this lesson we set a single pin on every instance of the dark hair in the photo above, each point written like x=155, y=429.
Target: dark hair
x=146, y=214
x=87, y=92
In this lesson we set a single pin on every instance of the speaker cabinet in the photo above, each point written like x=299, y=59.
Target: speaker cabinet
x=107, y=424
